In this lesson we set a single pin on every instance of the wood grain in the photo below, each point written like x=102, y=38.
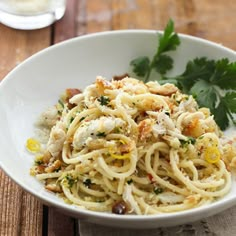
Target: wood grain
x=16, y=46
x=98, y=16
x=60, y=224
x=201, y=18
x=66, y=27
x=21, y=214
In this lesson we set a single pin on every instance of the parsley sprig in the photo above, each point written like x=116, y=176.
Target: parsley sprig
x=211, y=82
x=161, y=62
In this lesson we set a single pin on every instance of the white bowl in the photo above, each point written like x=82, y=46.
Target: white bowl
x=37, y=83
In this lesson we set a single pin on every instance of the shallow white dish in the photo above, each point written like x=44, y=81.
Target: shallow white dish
x=37, y=83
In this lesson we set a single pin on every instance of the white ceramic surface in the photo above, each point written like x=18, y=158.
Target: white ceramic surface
x=36, y=84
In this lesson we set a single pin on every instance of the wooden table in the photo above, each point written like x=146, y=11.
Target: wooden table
x=23, y=214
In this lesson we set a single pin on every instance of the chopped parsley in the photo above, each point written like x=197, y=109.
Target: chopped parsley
x=117, y=130
x=158, y=190
x=57, y=169
x=211, y=82
x=38, y=162
x=81, y=119
x=100, y=200
x=70, y=180
x=87, y=182
x=71, y=119
x=167, y=113
x=61, y=103
x=101, y=134
x=189, y=140
x=104, y=100
x=130, y=181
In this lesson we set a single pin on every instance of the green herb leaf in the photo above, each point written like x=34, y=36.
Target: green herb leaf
x=223, y=112
x=199, y=68
x=162, y=64
x=205, y=94
x=224, y=74
x=130, y=181
x=117, y=130
x=61, y=103
x=70, y=180
x=169, y=40
x=101, y=134
x=158, y=190
x=104, y=100
x=38, y=162
x=82, y=118
x=71, y=119
x=189, y=140
x=220, y=115
x=87, y=182
x=230, y=100
x=140, y=66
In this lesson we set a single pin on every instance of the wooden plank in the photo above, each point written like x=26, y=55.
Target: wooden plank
x=31, y=215
x=66, y=27
x=201, y=18
x=21, y=214
x=60, y=224
x=10, y=207
x=216, y=21
x=81, y=18
x=132, y=14
x=98, y=16
x=25, y=44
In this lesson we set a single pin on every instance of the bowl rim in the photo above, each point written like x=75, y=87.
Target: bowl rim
x=113, y=32
x=104, y=215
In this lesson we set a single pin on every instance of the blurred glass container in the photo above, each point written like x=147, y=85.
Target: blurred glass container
x=31, y=14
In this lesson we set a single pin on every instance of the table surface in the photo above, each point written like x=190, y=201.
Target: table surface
x=23, y=214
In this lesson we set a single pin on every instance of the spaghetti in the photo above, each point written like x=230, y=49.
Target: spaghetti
x=139, y=148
